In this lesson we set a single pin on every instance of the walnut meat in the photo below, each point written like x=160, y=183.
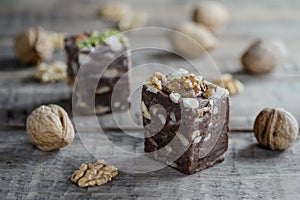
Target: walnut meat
x=51, y=72
x=49, y=127
x=92, y=174
x=263, y=55
x=233, y=86
x=211, y=14
x=192, y=40
x=33, y=46
x=276, y=128
x=188, y=85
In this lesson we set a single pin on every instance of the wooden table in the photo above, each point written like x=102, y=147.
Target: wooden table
x=249, y=171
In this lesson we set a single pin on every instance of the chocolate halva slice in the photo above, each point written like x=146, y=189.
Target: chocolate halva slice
x=103, y=58
x=186, y=120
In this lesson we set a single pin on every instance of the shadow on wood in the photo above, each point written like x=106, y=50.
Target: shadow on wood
x=12, y=64
x=256, y=151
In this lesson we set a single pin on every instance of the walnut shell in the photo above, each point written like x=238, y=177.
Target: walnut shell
x=263, y=55
x=276, y=128
x=33, y=46
x=49, y=127
x=211, y=14
x=133, y=20
x=192, y=40
x=114, y=11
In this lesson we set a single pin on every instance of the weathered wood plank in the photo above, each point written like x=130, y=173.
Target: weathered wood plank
x=248, y=172
x=19, y=97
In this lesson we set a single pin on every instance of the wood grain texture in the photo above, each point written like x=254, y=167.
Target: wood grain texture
x=248, y=21
x=249, y=172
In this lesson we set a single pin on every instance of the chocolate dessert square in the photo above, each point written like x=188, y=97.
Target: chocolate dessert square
x=186, y=120
x=104, y=60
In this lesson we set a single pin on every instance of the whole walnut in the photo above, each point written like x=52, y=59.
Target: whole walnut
x=276, y=128
x=133, y=20
x=211, y=14
x=192, y=40
x=49, y=127
x=33, y=45
x=263, y=55
x=114, y=11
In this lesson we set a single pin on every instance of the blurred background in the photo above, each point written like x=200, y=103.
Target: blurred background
x=248, y=21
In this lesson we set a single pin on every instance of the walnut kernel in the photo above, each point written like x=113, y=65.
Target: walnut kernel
x=91, y=174
x=233, y=86
x=51, y=72
x=49, y=127
x=187, y=85
x=156, y=80
x=276, y=128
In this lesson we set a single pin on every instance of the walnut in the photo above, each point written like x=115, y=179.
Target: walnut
x=49, y=127
x=133, y=20
x=275, y=128
x=156, y=80
x=91, y=174
x=192, y=40
x=187, y=85
x=212, y=14
x=58, y=39
x=233, y=86
x=33, y=46
x=51, y=72
x=263, y=55
x=114, y=11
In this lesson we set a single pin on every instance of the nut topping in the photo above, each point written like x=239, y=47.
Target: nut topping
x=187, y=85
x=156, y=80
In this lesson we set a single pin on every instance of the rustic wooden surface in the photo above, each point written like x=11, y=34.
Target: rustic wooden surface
x=249, y=171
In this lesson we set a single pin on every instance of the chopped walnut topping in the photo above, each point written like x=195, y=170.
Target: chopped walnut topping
x=180, y=83
x=210, y=89
x=156, y=80
x=233, y=86
x=187, y=85
x=91, y=174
